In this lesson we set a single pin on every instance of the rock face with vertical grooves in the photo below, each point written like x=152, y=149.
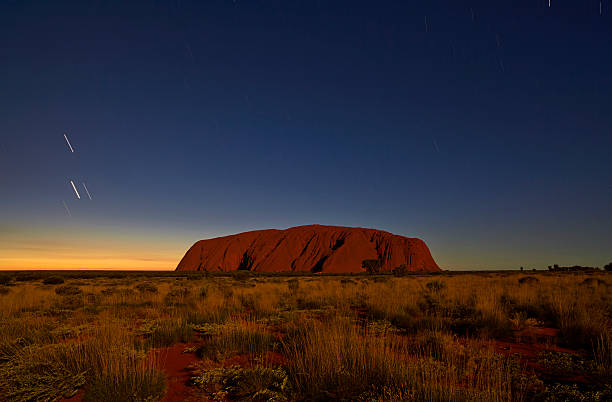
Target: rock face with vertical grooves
x=313, y=248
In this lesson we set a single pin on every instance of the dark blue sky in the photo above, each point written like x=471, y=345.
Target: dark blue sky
x=483, y=128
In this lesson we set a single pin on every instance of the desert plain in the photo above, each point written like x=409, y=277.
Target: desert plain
x=181, y=335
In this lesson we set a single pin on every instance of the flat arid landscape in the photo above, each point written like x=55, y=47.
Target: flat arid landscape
x=173, y=336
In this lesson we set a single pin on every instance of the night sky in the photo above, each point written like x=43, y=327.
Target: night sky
x=483, y=128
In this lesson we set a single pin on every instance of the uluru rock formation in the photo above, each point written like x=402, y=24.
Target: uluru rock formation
x=313, y=248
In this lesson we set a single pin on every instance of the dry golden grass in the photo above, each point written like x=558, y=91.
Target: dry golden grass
x=422, y=337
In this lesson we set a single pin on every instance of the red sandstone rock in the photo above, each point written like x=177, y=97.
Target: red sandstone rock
x=313, y=248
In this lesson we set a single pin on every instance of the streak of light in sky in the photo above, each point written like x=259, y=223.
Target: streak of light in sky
x=67, y=210
x=75, y=190
x=70, y=145
x=87, y=191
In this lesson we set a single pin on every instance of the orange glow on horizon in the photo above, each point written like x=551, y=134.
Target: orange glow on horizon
x=89, y=250
x=95, y=260
x=16, y=264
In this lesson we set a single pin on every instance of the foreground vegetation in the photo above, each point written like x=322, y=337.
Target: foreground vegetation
x=478, y=336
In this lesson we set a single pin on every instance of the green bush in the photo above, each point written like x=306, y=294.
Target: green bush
x=237, y=383
x=571, y=393
x=25, y=379
x=563, y=364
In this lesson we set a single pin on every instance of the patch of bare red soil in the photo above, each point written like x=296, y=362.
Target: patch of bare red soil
x=544, y=335
x=176, y=365
x=529, y=352
x=78, y=397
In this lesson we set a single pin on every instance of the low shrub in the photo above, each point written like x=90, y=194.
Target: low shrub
x=93, y=298
x=431, y=343
x=146, y=288
x=27, y=277
x=248, y=301
x=594, y=282
x=177, y=295
x=435, y=286
x=194, y=276
x=293, y=285
x=108, y=291
x=53, y=280
x=571, y=393
x=539, y=309
x=237, y=383
x=70, y=302
x=167, y=332
x=235, y=338
x=26, y=376
x=371, y=266
x=227, y=292
x=602, y=352
x=482, y=323
x=148, y=385
x=66, y=290
x=400, y=270
x=528, y=280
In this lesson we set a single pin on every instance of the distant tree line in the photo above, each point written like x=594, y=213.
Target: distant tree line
x=575, y=268
x=374, y=267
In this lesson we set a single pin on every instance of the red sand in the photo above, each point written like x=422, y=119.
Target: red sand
x=176, y=367
x=314, y=248
x=78, y=397
x=529, y=353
